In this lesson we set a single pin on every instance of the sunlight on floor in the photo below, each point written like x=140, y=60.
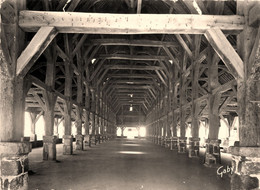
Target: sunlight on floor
x=131, y=145
x=131, y=152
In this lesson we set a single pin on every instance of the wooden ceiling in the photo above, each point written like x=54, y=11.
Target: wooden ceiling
x=130, y=54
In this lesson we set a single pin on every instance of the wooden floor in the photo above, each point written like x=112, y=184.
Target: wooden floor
x=123, y=164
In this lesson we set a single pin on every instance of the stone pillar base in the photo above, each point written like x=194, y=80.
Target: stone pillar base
x=105, y=138
x=98, y=139
x=182, y=142
x=194, y=147
x=212, y=155
x=92, y=140
x=57, y=135
x=33, y=137
x=95, y=139
x=79, y=142
x=162, y=141
x=67, y=144
x=108, y=137
x=25, y=139
x=174, y=143
x=49, y=147
x=14, y=164
x=154, y=139
x=167, y=142
x=86, y=142
x=158, y=140
x=246, y=168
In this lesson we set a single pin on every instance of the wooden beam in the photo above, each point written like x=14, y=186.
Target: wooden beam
x=102, y=76
x=131, y=42
x=66, y=60
x=39, y=100
x=225, y=103
x=131, y=103
x=97, y=69
x=133, y=67
x=254, y=16
x=129, y=115
x=35, y=48
x=123, y=95
x=60, y=108
x=193, y=9
x=139, y=6
x=164, y=66
x=226, y=52
x=89, y=59
x=223, y=88
x=73, y=5
x=61, y=4
x=172, y=57
x=220, y=89
x=129, y=91
x=161, y=78
x=130, y=99
x=146, y=76
x=184, y=45
x=79, y=44
x=102, y=23
x=132, y=82
x=132, y=57
x=132, y=86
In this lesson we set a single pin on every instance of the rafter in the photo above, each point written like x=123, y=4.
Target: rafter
x=184, y=45
x=35, y=48
x=226, y=52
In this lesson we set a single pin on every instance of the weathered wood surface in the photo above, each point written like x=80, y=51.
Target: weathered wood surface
x=13, y=88
x=248, y=88
x=126, y=42
x=35, y=48
x=132, y=57
x=226, y=52
x=195, y=88
x=133, y=67
x=100, y=23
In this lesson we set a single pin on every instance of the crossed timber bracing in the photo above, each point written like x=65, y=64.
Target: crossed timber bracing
x=158, y=67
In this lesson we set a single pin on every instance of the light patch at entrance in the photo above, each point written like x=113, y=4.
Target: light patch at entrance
x=131, y=152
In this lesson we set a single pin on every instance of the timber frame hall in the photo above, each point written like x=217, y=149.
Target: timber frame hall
x=175, y=64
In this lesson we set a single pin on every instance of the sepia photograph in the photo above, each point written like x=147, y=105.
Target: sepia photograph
x=130, y=95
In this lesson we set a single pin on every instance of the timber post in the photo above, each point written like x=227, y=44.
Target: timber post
x=212, y=156
x=194, y=141
x=13, y=152
x=68, y=138
x=246, y=156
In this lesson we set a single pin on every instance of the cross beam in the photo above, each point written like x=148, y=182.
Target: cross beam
x=134, y=67
x=103, y=23
x=132, y=57
x=143, y=76
x=127, y=42
x=132, y=86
